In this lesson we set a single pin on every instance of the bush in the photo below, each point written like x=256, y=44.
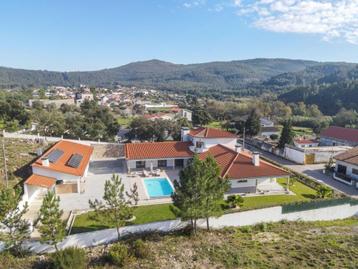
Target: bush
x=274, y=137
x=69, y=258
x=140, y=249
x=118, y=254
x=234, y=201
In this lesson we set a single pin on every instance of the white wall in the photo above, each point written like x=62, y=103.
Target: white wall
x=236, y=184
x=211, y=142
x=294, y=155
x=252, y=217
x=131, y=164
x=59, y=176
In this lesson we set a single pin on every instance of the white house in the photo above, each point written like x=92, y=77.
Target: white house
x=265, y=122
x=62, y=169
x=306, y=143
x=246, y=172
x=346, y=169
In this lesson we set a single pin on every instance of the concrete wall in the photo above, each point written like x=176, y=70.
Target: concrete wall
x=295, y=155
x=252, y=217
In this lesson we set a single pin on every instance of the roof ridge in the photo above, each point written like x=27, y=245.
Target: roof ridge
x=231, y=164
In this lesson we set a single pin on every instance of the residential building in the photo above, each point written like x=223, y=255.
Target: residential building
x=265, y=122
x=61, y=169
x=268, y=131
x=246, y=172
x=81, y=97
x=306, y=143
x=346, y=169
x=339, y=136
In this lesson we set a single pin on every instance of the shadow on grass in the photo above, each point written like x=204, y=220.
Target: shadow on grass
x=309, y=196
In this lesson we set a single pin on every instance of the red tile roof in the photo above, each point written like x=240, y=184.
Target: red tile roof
x=210, y=133
x=341, y=133
x=349, y=156
x=68, y=148
x=41, y=181
x=158, y=150
x=306, y=141
x=239, y=166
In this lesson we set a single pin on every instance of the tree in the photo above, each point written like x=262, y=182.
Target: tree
x=287, y=134
x=201, y=116
x=52, y=228
x=252, y=123
x=199, y=191
x=324, y=192
x=234, y=201
x=215, y=188
x=118, y=204
x=16, y=229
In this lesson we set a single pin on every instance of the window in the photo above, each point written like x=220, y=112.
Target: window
x=140, y=164
x=354, y=171
x=199, y=144
x=162, y=163
x=341, y=169
x=242, y=181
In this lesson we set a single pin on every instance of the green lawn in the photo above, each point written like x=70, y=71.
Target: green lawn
x=144, y=214
x=151, y=213
x=124, y=121
x=214, y=124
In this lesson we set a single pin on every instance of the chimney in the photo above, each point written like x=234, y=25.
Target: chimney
x=238, y=148
x=184, y=134
x=45, y=161
x=256, y=158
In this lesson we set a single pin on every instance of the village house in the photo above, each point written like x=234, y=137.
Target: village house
x=339, y=136
x=346, y=169
x=247, y=172
x=306, y=143
x=61, y=169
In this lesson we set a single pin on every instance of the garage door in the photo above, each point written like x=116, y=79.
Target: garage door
x=66, y=188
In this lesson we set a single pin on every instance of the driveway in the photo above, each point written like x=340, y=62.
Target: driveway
x=315, y=171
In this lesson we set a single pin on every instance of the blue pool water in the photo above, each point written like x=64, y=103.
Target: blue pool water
x=158, y=187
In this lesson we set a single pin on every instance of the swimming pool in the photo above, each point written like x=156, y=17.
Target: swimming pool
x=158, y=187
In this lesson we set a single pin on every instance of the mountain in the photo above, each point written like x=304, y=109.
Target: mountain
x=213, y=75
x=234, y=77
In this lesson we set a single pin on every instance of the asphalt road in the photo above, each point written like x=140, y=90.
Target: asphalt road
x=315, y=171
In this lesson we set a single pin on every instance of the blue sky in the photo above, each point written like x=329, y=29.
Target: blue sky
x=93, y=34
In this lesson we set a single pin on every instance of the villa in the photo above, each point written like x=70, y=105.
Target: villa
x=61, y=169
x=246, y=172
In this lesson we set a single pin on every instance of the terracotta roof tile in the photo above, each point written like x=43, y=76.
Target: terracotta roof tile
x=69, y=148
x=349, y=156
x=239, y=166
x=155, y=150
x=341, y=133
x=210, y=133
x=41, y=181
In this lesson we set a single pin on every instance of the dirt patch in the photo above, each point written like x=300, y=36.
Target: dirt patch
x=266, y=237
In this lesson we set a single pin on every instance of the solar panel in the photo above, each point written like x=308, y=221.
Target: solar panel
x=54, y=155
x=75, y=160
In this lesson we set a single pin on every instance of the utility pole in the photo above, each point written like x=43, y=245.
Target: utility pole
x=243, y=139
x=5, y=165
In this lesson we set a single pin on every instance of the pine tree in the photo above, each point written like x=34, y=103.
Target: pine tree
x=199, y=191
x=287, y=134
x=252, y=123
x=16, y=229
x=215, y=188
x=52, y=228
x=118, y=204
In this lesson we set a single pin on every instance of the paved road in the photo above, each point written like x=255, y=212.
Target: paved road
x=312, y=170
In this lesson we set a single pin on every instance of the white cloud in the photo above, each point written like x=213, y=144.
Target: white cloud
x=332, y=19
x=194, y=3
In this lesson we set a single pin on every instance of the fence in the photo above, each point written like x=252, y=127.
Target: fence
x=345, y=209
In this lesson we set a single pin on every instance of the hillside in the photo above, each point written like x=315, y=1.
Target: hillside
x=213, y=75
x=328, y=244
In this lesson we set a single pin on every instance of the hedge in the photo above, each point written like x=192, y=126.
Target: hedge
x=315, y=204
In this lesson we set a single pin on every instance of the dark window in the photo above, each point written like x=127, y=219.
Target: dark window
x=199, y=144
x=162, y=163
x=140, y=164
x=179, y=163
x=341, y=169
x=242, y=181
x=355, y=171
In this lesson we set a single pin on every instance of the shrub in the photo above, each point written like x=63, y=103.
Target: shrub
x=140, y=249
x=274, y=137
x=234, y=201
x=118, y=254
x=69, y=258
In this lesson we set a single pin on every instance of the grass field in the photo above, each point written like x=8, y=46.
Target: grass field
x=124, y=121
x=145, y=214
x=322, y=244
x=19, y=154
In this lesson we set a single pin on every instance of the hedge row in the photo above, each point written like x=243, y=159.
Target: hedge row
x=315, y=204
